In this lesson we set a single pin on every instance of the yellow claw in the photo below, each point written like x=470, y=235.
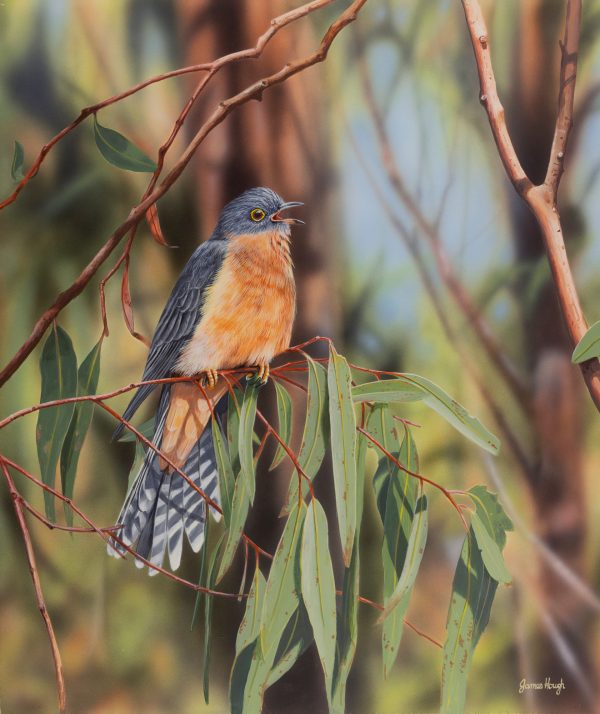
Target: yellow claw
x=210, y=376
x=263, y=373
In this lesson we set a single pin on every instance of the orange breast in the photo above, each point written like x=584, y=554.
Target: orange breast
x=249, y=310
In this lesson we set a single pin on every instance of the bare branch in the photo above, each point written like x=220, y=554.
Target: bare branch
x=58, y=668
x=541, y=199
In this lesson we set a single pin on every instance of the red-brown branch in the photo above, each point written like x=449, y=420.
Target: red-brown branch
x=39, y=594
x=541, y=199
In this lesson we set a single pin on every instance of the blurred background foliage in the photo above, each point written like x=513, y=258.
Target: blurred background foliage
x=125, y=639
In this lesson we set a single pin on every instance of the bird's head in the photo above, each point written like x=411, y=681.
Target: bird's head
x=257, y=210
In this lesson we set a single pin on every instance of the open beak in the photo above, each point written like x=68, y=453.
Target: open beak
x=278, y=218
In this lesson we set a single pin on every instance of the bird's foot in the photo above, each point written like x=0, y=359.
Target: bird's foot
x=261, y=376
x=209, y=378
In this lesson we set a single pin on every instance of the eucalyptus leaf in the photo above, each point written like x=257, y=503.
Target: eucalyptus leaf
x=589, y=345
x=225, y=471
x=295, y=640
x=343, y=448
x=245, y=441
x=58, y=367
x=87, y=383
x=250, y=624
x=240, y=506
x=318, y=586
x=208, y=606
x=284, y=423
x=16, y=169
x=490, y=552
x=119, y=151
x=315, y=434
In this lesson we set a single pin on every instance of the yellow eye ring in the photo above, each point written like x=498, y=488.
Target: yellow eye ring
x=257, y=215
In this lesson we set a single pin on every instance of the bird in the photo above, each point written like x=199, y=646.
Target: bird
x=233, y=306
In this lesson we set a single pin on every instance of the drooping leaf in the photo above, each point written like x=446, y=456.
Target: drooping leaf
x=314, y=437
x=154, y=225
x=58, y=367
x=146, y=429
x=246, y=680
x=119, y=151
x=240, y=506
x=87, y=383
x=295, y=640
x=284, y=423
x=250, y=624
x=588, y=346
x=343, y=448
x=491, y=513
x=398, y=602
x=380, y=425
x=473, y=591
x=438, y=400
x=318, y=586
x=245, y=439
x=226, y=475
x=233, y=427
x=202, y=579
x=283, y=586
x=399, y=542
x=208, y=605
x=385, y=391
x=490, y=552
x=16, y=169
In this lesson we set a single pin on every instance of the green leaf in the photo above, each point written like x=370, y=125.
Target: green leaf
x=398, y=548
x=490, y=552
x=314, y=437
x=233, y=427
x=202, y=579
x=398, y=602
x=87, y=383
x=343, y=448
x=208, y=605
x=284, y=423
x=226, y=475
x=491, y=513
x=441, y=402
x=146, y=429
x=283, y=586
x=119, y=151
x=387, y=390
x=318, y=586
x=240, y=505
x=250, y=624
x=347, y=620
x=16, y=169
x=246, y=432
x=380, y=425
x=295, y=640
x=589, y=345
x=248, y=673
x=58, y=367
x=473, y=591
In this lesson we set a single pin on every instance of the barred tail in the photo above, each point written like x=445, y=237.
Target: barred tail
x=161, y=506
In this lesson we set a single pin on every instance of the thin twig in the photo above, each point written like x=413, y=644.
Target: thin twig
x=58, y=668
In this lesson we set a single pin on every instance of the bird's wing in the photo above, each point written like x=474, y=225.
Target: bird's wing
x=179, y=318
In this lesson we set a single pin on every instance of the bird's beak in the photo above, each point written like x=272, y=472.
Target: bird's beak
x=278, y=218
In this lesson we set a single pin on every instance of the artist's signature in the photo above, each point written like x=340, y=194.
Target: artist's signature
x=548, y=684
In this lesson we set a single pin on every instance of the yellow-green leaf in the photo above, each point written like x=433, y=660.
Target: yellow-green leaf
x=318, y=586
x=343, y=448
x=589, y=345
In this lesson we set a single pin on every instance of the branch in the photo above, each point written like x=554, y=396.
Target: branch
x=253, y=91
x=18, y=506
x=541, y=199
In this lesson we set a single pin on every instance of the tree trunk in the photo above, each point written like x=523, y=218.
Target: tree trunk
x=556, y=481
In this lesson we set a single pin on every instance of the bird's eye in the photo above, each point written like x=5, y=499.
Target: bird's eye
x=257, y=214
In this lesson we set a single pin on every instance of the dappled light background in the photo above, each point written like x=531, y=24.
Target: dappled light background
x=125, y=638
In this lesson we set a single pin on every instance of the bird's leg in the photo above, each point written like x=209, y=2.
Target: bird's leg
x=262, y=374
x=210, y=377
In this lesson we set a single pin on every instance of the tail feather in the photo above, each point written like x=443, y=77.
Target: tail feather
x=162, y=506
